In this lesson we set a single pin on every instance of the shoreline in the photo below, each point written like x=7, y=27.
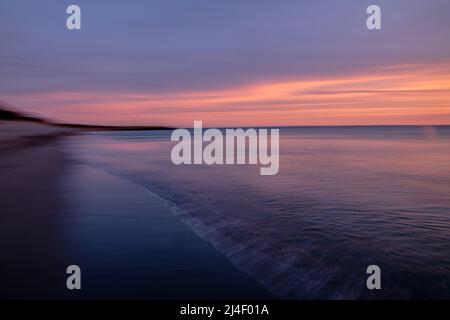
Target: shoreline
x=126, y=240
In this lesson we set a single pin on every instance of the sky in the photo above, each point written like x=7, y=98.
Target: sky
x=227, y=62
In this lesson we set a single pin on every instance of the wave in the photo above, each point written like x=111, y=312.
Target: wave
x=278, y=276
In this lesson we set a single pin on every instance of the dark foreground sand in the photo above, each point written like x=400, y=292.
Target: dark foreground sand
x=55, y=213
x=30, y=210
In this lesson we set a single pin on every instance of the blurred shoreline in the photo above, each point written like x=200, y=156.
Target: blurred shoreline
x=57, y=212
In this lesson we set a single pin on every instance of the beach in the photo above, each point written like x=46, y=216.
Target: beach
x=58, y=212
x=139, y=226
x=30, y=211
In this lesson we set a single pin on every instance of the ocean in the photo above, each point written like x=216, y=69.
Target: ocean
x=344, y=198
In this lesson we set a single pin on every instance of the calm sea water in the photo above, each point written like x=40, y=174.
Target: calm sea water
x=344, y=199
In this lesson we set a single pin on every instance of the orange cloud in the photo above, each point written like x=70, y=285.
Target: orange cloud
x=403, y=94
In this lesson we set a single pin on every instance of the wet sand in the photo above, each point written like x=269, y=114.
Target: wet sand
x=127, y=242
x=30, y=212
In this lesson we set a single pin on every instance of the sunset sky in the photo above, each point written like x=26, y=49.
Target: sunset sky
x=227, y=62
